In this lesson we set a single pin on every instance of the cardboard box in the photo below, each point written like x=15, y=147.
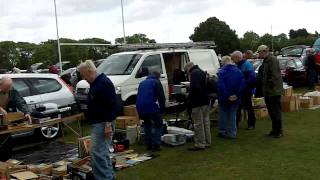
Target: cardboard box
x=130, y=111
x=123, y=121
x=306, y=102
x=258, y=102
x=261, y=113
x=316, y=100
x=288, y=103
x=288, y=91
x=4, y=170
x=297, y=104
x=80, y=169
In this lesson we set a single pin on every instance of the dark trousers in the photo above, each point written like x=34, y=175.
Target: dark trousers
x=153, y=128
x=246, y=104
x=273, y=104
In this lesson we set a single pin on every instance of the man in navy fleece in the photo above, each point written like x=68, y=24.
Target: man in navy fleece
x=102, y=109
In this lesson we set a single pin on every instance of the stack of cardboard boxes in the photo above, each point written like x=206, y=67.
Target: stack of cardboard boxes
x=260, y=109
x=130, y=117
x=289, y=101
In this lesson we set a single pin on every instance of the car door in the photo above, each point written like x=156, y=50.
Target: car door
x=154, y=63
x=52, y=91
x=26, y=90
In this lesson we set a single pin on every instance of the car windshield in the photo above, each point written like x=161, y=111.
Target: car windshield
x=120, y=64
x=293, y=52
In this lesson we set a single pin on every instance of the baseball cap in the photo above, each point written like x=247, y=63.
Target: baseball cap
x=262, y=48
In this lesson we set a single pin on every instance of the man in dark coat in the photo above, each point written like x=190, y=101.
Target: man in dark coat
x=150, y=105
x=199, y=102
x=269, y=85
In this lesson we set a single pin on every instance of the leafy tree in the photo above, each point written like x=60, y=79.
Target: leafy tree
x=25, y=51
x=9, y=55
x=218, y=31
x=136, y=38
x=298, y=33
x=250, y=41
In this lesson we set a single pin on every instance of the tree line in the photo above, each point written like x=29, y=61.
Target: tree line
x=23, y=54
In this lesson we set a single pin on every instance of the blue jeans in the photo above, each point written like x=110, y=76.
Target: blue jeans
x=228, y=120
x=153, y=129
x=100, y=160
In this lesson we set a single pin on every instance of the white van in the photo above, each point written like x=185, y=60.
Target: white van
x=124, y=69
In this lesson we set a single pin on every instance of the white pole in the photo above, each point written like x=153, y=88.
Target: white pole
x=124, y=34
x=59, y=51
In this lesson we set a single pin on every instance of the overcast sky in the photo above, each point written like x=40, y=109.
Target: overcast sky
x=162, y=20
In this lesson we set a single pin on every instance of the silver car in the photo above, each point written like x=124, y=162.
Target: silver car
x=39, y=89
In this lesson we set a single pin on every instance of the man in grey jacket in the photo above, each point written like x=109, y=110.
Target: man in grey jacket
x=10, y=99
x=269, y=85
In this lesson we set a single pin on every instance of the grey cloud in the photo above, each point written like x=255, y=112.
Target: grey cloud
x=152, y=9
x=263, y=2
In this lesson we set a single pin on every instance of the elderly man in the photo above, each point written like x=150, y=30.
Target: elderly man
x=102, y=108
x=199, y=102
x=250, y=77
x=269, y=85
x=11, y=100
x=230, y=86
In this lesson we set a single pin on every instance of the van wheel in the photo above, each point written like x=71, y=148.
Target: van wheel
x=130, y=101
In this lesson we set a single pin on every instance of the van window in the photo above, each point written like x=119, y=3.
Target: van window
x=21, y=86
x=152, y=63
x=120, y=64
x=45, y=85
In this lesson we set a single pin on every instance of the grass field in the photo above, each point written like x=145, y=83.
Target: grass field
x=252, y=155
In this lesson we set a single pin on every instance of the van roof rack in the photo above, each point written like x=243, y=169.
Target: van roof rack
x=150, y=46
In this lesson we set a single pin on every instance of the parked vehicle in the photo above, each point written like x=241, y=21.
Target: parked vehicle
x=292, y=71
x=293, y=52
x=127, y=69
x=39, y=89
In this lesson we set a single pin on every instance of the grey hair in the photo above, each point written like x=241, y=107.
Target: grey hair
x=237, y=54
x=4, y=78
x=188, y=66
x=88, y=65
x=226, y=60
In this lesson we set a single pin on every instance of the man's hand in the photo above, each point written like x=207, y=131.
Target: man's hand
x=108, y=131
x=233, y=98
x=4, y=112
x=28, y=117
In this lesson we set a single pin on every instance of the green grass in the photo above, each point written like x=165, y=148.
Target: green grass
x=251, y=156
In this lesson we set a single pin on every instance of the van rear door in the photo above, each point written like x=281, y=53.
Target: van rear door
x=206, y=59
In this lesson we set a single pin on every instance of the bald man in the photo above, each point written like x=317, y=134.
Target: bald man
x=11, y=100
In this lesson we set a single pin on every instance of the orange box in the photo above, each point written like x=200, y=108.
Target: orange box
x=123, y=121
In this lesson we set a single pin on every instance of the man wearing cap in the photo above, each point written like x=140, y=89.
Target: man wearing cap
x=269, y=85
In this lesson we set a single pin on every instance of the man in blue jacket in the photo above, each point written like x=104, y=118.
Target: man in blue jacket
x=101, y=113
x=150, y=105
x=230, y=86
x=250, y=77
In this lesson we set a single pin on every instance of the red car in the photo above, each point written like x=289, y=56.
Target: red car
x=293, y=72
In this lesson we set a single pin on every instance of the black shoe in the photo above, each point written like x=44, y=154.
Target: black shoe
x=220, y=135
x=250, y=128
x=279, y=135
x=196, y=149
x=272, y=133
